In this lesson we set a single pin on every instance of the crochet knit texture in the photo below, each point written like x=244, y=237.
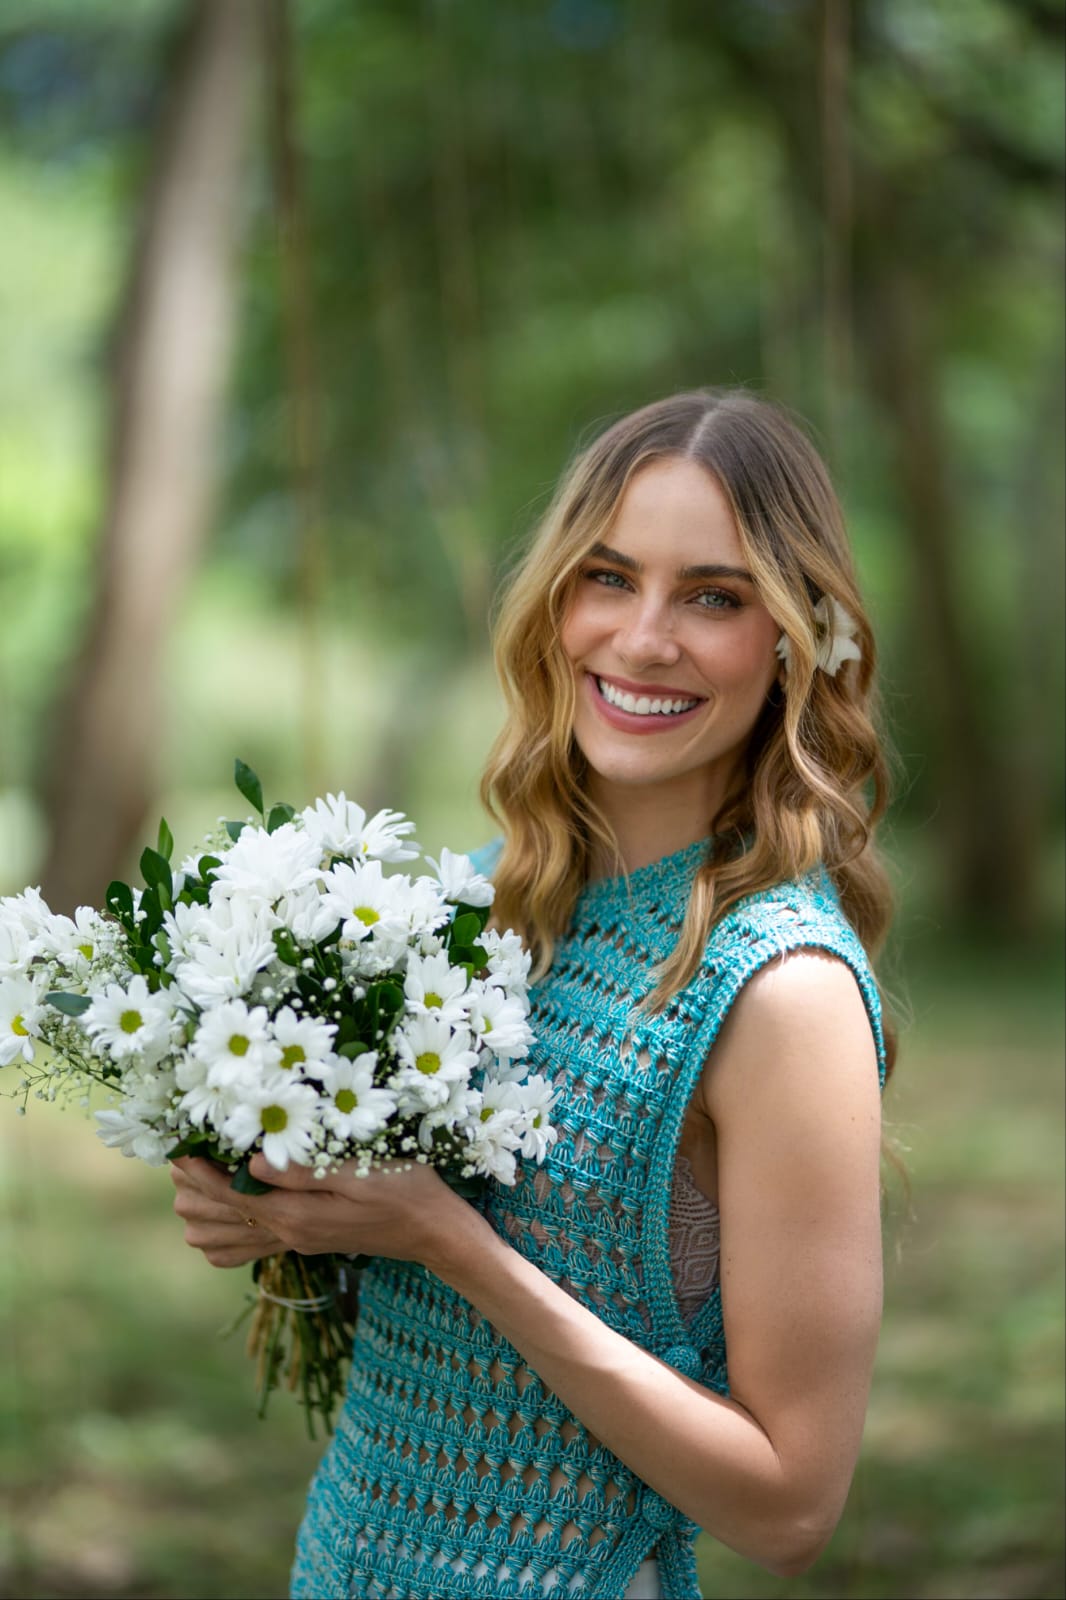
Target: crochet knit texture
x=454, y=1471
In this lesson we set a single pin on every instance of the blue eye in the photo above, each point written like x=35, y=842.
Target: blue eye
x=716, y=600
x=609, y=580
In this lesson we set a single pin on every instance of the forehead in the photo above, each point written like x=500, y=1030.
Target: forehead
x=675, y=508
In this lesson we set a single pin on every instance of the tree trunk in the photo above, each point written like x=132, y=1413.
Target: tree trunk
x=173, y=352
x=989, y=850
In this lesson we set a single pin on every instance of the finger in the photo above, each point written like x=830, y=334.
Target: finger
x=293, y=1177
x=193, y=1203
x=208, y=1179
x=206, y=1234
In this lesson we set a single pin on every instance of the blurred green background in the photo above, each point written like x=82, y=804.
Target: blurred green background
x=303, y=307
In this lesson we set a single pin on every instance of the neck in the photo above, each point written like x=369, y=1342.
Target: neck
x=652, y=822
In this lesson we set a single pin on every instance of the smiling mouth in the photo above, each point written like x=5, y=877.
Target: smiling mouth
x=645, y=705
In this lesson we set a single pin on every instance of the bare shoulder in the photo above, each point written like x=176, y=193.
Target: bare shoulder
x=798, y=1024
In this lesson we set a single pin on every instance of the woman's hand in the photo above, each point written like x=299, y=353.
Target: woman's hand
x=218, y=1220
x=405, y=1211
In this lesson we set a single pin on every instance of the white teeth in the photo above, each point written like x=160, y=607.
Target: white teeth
x=642, y=705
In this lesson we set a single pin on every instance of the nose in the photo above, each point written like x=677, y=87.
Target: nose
x=646, y=638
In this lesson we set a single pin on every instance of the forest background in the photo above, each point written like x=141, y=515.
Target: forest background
x=303, y=307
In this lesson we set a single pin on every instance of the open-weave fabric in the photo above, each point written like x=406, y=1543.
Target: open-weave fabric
x=454, y=1471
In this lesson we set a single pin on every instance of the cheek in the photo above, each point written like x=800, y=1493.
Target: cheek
x=745, y=661
x=576, y=632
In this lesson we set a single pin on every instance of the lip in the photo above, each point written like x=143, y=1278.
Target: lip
x=631, y=721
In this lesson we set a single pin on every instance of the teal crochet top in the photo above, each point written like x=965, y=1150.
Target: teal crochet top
x=454, y=1471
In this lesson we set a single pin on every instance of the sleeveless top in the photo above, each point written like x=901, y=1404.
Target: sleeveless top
x=454, y=1471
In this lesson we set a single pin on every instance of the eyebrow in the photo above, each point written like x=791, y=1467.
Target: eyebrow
x=714, y=570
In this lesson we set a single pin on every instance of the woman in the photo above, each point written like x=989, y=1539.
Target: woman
x=540, y=1399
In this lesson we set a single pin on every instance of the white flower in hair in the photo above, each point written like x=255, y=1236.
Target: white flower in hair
x=835, y=629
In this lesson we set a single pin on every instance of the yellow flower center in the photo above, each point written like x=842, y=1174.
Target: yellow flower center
x=291, y=1054
x=130, y=1021
x=87, y=951
x=367, y=915
x=433, y=999
x=345, y=1100
x=239, y=1044
x=274, y=1119
x=19, y=1027
x=428, y=1062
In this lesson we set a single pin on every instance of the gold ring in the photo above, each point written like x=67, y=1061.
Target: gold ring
x=251, y=1222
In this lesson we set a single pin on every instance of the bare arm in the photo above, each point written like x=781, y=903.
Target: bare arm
x=791, y=1086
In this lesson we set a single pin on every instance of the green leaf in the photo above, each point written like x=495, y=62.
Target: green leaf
x=235, y=829
x=287, y=948
x=71, y=1005
x=471, y=956
x=279, y=814
x=119, y=899
x=354, y=1047
x=166, y=840
x=152, y=919
x=482, y=914
x=465, y=929
x=193, y=1144
x=208, y=864
x=244, y=1183
x=248, y=783
x=468, y=1188
x=158, y=876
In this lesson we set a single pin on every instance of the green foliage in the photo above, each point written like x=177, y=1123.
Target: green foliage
x=249, y=785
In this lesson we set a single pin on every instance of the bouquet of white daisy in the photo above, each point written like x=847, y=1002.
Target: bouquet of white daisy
x=278, y=991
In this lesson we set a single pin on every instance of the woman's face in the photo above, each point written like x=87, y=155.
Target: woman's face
x=672, y=650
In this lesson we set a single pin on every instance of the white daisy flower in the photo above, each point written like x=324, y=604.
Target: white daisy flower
x=462, y=1104
x=29, y=909
x=431, y=983
x=22, y=1009
x=460, y=882
x=204, y=1097
x=131, y=1021
x=366, y=902
x=536, y=1097
x=263, y=868
x=308, y=917
x=236, y=1042
x=279, y=1112
x=17, y=948
x=76, y=942
x=493, y=1134
x=184, y=926
x=352, y=1108
x=221, y=964
x=305, y=1043
x=500, y=1021
x=432, y=1056
x=383, y=836
x=339, y=827
x=138, y=1125
x=133, y=1129
x=508, y=959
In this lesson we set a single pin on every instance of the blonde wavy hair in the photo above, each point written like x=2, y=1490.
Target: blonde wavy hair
x=817, y=769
